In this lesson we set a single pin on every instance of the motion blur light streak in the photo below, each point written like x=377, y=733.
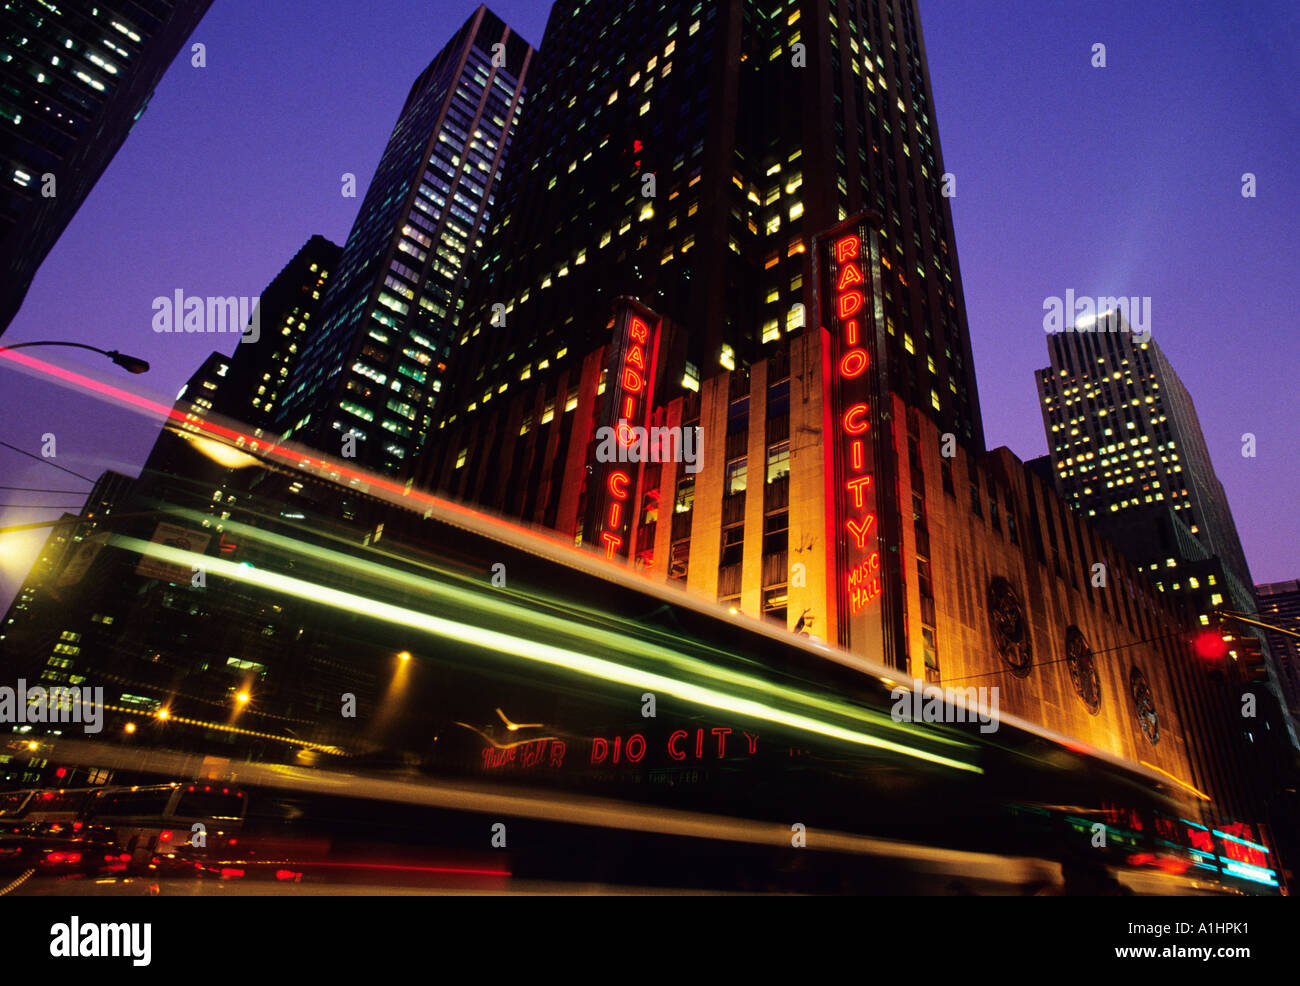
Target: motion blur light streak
x=514, y=646
x=510, y=606
x=1196, y=791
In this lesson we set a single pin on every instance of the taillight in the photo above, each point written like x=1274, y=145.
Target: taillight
x=59, y=856
x=227, y=872
x=165, y=836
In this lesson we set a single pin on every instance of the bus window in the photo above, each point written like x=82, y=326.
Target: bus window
x=122, y=803
x=210, y=804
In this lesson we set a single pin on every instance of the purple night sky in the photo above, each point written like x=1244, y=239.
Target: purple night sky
x=1117, y=181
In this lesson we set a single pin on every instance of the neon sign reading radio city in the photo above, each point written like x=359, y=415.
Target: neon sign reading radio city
x=862, y=581
x=632, y=382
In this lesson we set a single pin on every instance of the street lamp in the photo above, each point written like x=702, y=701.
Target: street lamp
x=132, y=364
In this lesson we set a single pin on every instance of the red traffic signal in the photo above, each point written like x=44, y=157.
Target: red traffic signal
x=1211, y=646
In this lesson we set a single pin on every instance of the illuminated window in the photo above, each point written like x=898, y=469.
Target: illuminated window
x=736, y=476
x=778, y=461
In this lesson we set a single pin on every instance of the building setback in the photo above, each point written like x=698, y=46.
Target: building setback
x=74, y=78
x=376, y=365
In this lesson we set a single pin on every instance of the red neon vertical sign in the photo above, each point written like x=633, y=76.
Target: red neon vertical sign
x=847, y=306
x=630, y=376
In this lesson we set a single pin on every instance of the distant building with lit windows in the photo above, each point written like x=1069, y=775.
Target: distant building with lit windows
x=1127, y=450
x=377, y=364
x=74, y=78
x=288, y=317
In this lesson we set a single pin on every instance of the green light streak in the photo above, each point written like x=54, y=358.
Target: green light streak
x=508, y=605
x=515, y=646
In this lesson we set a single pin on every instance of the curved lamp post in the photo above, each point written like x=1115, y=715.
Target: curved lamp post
x=131, y=364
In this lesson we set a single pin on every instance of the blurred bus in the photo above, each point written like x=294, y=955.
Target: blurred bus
x=168, y=819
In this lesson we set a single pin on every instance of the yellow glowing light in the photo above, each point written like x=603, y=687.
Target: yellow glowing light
x=512, y=726
x=33, y=745
x=242, y=697
x=1196, y=791
x=163, y=714
x=129, y=727
x=405, y=655
x=222, y=455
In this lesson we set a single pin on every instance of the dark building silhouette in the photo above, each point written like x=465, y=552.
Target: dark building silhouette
x=74, y=78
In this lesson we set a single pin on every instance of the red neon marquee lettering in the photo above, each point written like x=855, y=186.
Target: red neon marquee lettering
x=618, y=484
x=636, y=358
x=615, y=513
x=851, y=332
x=721, y=732
x=638, y=331
x=629, y=408
x=853, y=363
x=632, y=381
x=639, y=740
x=672, y=740
x=859, y=531
x=856, y=486
x=612, y=543
x=857, y=454
x=850, y=303
x=852, y=424
x=849, y=276
x=849, y=246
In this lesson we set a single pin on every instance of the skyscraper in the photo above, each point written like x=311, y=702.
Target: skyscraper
x=288, y=315
x=374, y=368
x=1127, y=450
x=74, y=78
x=684, y=154
x=684, y=157
x=1279, y=604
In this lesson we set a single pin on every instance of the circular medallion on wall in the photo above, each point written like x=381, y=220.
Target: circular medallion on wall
x=1010, y=628
x=1083, y=669
x=1144, y=705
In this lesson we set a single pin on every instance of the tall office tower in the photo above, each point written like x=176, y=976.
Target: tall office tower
x=684, y=154
x=1279, y=604
x=1126, y=447
x=74, y=542
x=288, y=314
x=377, y=364
x=74, y=78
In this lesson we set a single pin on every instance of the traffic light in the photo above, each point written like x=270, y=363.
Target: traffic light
x=1211, y=646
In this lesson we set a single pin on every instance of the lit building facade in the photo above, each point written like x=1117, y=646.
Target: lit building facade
x=377, y=363
x=684, y=154
x=1127, y=450
x=74, y=78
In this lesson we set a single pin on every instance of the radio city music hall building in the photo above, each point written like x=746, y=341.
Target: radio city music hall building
x=790, y=289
